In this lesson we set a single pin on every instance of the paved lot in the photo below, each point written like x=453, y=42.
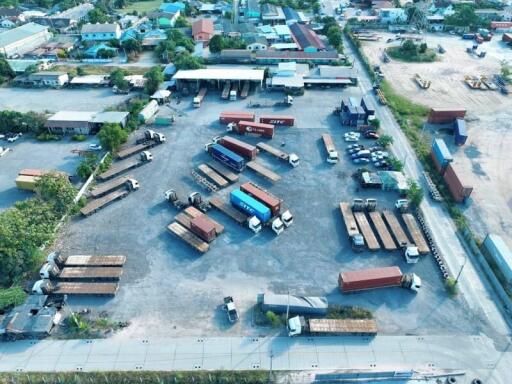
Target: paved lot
x=168, y=289
x=485, y=160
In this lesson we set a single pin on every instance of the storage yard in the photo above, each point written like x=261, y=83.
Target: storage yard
x=483, y=161
x=170, y=289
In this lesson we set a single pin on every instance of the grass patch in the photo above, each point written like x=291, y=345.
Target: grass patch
x=348, y=312
x=451, y=286
x=267, y=319
x=397, y=53
x=11, y=297
x=83, y=326
x=141, y=6
x=97, y=69
x=45, y=136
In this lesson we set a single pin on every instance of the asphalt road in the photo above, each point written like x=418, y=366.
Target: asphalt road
x=477, y=291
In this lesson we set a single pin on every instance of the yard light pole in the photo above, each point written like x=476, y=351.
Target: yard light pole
x=461, y=268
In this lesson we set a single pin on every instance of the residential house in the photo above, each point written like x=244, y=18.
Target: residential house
x=490, y=14
x=176, y=7
x=23, y=39
x=202, y=30
x=284, y=47
x=272, y=14
x=256, y=43
x=153, y=38
x=283, y=33
x=435, y=23
x=243, y=30
x=101, y=32
x=268, y=32
x=220, y=7
x=163, y=20
x=19, y=66
x=83, y=122
x=306, y=38
x=235, y=56
x=10, y=14
x=392, y=15
x=252, y=10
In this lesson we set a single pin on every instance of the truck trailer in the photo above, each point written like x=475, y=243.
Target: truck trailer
x=382, y=230
x=251, y=222
x=223, y=171
x=46, y=287
x=332, y=153
x=263, y=171
x=235, y=117
x=265, y=197
x=126, y=165
x=86, y=260
x=52, y=271
x=142, y=144
x=352, y=281
x=366, y=230
x=296, y=305
x=416, y=234
x=290, y=158
x=188, y=237
x=114, y=184
x=198, y=99
x=226, y=156
x=285, y=120
x=356, y=239
x=212, y=175
x=299, y=325
x=252, y=128
x=95, y=205
x=240, y=147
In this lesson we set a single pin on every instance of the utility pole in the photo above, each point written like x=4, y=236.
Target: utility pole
x=461, y=268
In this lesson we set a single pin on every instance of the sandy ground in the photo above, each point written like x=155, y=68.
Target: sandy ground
x=485, y=161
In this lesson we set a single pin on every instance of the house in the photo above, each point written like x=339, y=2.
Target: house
x=283, y=33
x=20, y=40
x=67, y=19
x=435, y=23
x=9, y=15
x=176, y=7
x=19, y=66
x=274, y=57
x=153, y=38
x=392, y=15
x=163, y=20
x=252, y=10
x=256, y=43
x=306, y=38
x=7, y=23
x=235, y=56
x=284, y=47
x=272, y=14
x=490, y=14
x=202, y=30
x=101, y=32
x=230, y=29
x=44, y=79
x=83, y=122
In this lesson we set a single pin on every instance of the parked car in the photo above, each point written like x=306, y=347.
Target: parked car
x=352, y=146
x=371, y=135
x=13, y=138
x=364, y=153
x=355, y=150
x=95, y=147
x=351, y=139
x=2, y=137
x=382, y=164
x=376, y=148
x=361, y=160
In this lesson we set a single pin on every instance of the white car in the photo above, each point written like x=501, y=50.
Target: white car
x=349, y=139
x=12, y=139
x=95, y=147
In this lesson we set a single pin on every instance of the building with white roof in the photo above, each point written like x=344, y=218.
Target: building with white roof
x=18, y=41
x=83, y=122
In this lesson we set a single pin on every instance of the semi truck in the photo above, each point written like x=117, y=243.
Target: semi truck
x=235, y=117
x=52, y=271
x=332, y=153
x=223, y=171
x=263, y=171
x=253, y=207
x=250, y=222
x=112, y=185
x=214, y=176
x=46, y=287
x=285, y=120
x=199, y=97
x=149, y=140
x=352, y=281
x=252, y=128
x=238, y=146
x=356, y=239
x=416, y=234
x=299, y=325
x=290, y=158
x=86, y=260
x=172, y=197
x=265, y=197
x=95, y=205
x=188, y=237
x=226, y=156
x=126, y=165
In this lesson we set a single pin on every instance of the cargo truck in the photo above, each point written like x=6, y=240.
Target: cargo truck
x=226, y=156
x=253, y=207
x=172, y=197
x=410, y=251
x=366, y=230
x=285, y=120
x=86, y=260
x=46, y=287
x=200, y=96
x=332, y=154
x=250, y=222
x=269, y=200
x=126, y=165
x=52, y=271
x=239, y=147
x=290, y=158
x=123, y=181
x=96, y=204
x=385, y=277
x=356, y=239
x=235, y=117
x=252, y=128
x=299, y=325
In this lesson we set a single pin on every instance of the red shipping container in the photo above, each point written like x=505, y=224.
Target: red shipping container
x=203, y=228
x=235, y=117
x=239, y=147
x=438, y=166
x=445, y=115
x=278, y=120
x=458, y=190
x=262, y=196
x=253, y=128
x=507, y=37
x=370, y=278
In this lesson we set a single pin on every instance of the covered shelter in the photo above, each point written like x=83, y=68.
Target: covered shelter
x=217, y=77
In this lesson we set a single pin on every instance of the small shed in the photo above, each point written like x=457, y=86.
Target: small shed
x=161, y=96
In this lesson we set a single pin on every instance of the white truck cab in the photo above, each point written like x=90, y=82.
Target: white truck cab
x=146, y=156
x=254, y=224
x=231, y=127
x=48, y=271
x=288, y=100
x=294, y=160
x=41, y=287
x=232, y=95
x=287, y=218
x=332, y=157
x=133, y=184
x=277, y=226
x=416, y=283
x=402, y=204
x=411, y=254
x=295, y=326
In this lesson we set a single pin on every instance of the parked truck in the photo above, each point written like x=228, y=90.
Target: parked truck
x=95, y=205
x=299, y=325
x=332, y=153
x=235, y=117
x=238, y=146
x=252, y=128
x=416, y=234
x=410, y=251
x=265, y=197
x=290, y=158
x=126, y=165
x=46, y=287
x=226, y=156
x=199, y=97
x=172, y=197
x=285, y=120
x=230, y=308
x=52, y=271
x=251, y=222
x=356, y=239
x=223, y=171
x=253, y=207
x=150, y=135
x=86, y=260
x=352, y=281
x=114, y=184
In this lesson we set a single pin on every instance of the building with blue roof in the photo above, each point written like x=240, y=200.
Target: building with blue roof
x=175, y=7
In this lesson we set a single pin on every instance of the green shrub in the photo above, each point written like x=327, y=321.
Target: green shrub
x=273, y=319
x=451, y=286
x=348, y=312
x=48, y=137
x=11, y=297
x=78, y=137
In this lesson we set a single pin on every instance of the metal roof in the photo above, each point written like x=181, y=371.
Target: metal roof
x=100, y=28
x=109, y=117
x=306, y=37
x=220, y=74
x=14, y=35
x=202, y=26
x=72, y=116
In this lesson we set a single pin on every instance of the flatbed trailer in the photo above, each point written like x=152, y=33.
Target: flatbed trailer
x=193, y=212
x=382, y=230
x=229, y=210
x=273, y=151
x=396, y=229
x=415, y=232
x=223, y=171
x=367, y=232
x=245, y=89
x=97, y=204
x=96, y=289
x=367, y=327
x=94, y=261
x=91, y=273
x=134, y=149
x=225, y=90
x=109, y=186
x=120, y=167
x=348, y=218
x=263, y=171
x=214, y=176
x=188, y=237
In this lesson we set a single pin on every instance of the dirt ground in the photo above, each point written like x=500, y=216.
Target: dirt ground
x=484, y=161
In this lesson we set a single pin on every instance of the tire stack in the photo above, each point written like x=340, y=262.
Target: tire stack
x=437, y=255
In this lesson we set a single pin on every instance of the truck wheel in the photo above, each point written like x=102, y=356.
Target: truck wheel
x=451, y=380
x=445, y=275
x=477, y=381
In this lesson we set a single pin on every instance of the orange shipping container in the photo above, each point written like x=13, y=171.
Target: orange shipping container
x=458, y=189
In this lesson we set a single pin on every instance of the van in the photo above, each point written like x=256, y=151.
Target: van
x=364, y=153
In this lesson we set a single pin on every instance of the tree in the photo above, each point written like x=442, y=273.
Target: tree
x=505, y=70
x=215, y=44
x=187, y=61
x=334, y=36
x=57, y=191
x=117, y=79
x=86, y=167
x=6, y=71
x=11, y=121
x=385, y=140
x=464, y=16
x=96, y=15
x=408, y=47
x=375, y=123
x=106, y=53
x=181, y=22
x=423, y=48
x=153, y=77
x=132, y=45
x=396, y=164
x=414, y=193
x=30, y=69
x=80, y=71
x=111, y=136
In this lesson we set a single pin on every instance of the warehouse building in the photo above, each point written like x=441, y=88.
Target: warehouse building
x=217, y=77
x=83, y=122
x=18, y=41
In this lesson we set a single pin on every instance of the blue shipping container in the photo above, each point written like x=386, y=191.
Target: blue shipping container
x=468, y=36
x=460, y=132
x=249, y=205
x=441, y=152
x=227, y=157
x=500, y=253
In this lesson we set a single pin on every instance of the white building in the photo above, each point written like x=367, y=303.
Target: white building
x=392, y=15
x=18, y=41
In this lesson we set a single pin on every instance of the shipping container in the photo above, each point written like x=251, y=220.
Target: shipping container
x=262, y=196
x=240, y=147
x=295, y=305
x=441, y=153
x=27, y=183
x=235, y=117
x=460, y=132
x=249, y=205
x=468, y=36
x=500, y=253
x=203, y=228
x=253, y=128
x=445, y=115
x=370, y=278
x=459, y=191
x=367, y=106
x=227, y=157
x=507, y=37
x=438, y=166
x=286, y=120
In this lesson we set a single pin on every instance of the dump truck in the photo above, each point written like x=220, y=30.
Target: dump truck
x=223, y=171
x=252, y=128
x=253, y=207
x=299, y=325
x=250, y=222
x=235, y=117
x=356, y=239
x=212, y=175
x=114, y=184
x=238, y=146
x=290, y=158
x=332, y=153
x=198, y=99
x=52, y=271
x=353, y=281
x=86, y=260
x=46, y=287
x=188, y=237
x=265, y=197
x=263, y=171
x=126, y=165
x=415, y=232
x=285, y=120
x=226, y=156
x=382, y=230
